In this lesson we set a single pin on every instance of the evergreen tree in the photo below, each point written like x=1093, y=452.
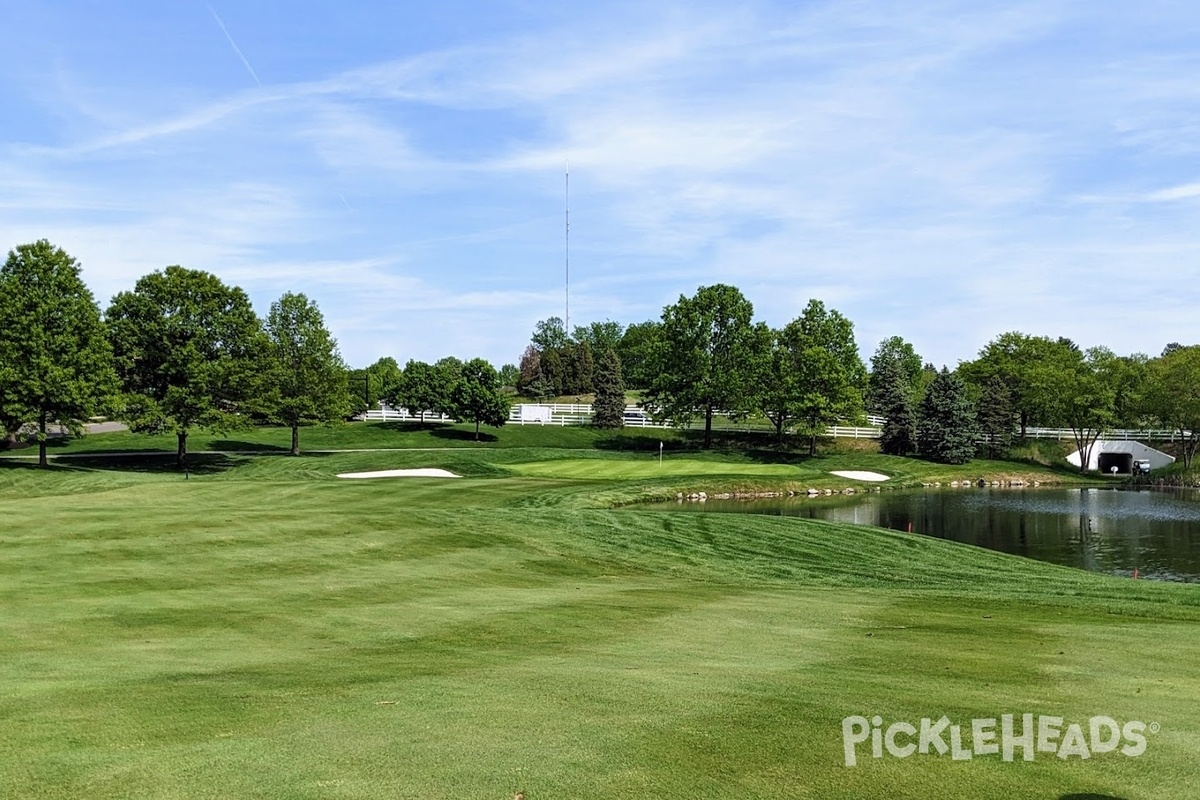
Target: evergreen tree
x=899, y=435
x=946, y=421
x=996, y=415
x=580, y=369
x=609, y=408
x=553, y=371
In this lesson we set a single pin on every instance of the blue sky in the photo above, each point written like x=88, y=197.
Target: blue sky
x=942, y=171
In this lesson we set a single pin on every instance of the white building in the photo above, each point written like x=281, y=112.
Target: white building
x=1106, y=454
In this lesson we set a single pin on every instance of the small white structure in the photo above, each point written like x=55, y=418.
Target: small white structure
x=539, y=414
x=1121, y=454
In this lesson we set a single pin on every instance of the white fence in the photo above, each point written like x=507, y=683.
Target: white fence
x=1113, y=434
x=386, y=412
x=572, y=414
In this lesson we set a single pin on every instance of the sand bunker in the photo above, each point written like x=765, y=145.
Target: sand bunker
x=401, y=473
x=859, y=475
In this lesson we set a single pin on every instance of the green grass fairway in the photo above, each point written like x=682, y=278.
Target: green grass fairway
x=265, y=630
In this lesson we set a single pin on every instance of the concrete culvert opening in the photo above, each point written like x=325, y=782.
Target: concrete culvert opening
x=1122, y=461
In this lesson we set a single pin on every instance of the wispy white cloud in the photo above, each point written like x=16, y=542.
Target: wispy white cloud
x=939, y=171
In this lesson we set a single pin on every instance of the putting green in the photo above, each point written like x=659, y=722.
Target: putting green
x=596, y=469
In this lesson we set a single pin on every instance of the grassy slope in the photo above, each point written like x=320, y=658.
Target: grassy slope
x=265, y=630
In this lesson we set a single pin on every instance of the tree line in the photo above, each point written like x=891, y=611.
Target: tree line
x=180, y=351
x=707, y=356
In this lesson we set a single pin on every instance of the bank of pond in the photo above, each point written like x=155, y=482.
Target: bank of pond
x=1149, y=534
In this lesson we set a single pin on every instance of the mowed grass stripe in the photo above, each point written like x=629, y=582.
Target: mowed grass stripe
x=264, y=630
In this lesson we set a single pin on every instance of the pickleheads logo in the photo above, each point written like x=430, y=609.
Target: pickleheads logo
x=1029, y=734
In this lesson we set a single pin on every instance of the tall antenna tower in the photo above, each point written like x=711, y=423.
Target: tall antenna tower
x=567, y=243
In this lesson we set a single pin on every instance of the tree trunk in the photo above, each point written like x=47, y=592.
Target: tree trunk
x=779, y=431
x=1024, y=423
x=181, y=452
x=812, y=445
x=295, y=440
x=708, y=412
x=477, y=430
x=42, y=461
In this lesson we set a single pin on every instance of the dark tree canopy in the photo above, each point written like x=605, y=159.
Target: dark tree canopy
x=946, y=428
x=996, y=416
x=531, y=370
x=636, y=352
x=55, y=362
x=578, y=368
x=187, y=348
x=609, y=407
x=303, y=381
x=893, y=351
x=899, y=435
x=705, y=358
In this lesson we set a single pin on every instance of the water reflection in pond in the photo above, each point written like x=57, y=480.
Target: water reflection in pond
x=1156, y=533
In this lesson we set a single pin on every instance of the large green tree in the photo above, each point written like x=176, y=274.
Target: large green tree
x=608, y=411
x=446, y=374
x=417, y=390
x=55, y=362
x=600, y=336
x=1076, y=389
x=477, y=396
x=1014, y=358
x=946, y=428
x=704, y=358
x=549, y=334
x=1173, y=395
x=813, y=375
x=187, y=350
x=303, y=378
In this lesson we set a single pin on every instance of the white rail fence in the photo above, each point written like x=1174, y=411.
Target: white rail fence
x=385, y=413
x=636, y=417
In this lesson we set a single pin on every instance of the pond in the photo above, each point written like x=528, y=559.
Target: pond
x=1153, y=532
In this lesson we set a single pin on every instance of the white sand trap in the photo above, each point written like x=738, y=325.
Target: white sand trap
x=859, y=475
x=402, y=473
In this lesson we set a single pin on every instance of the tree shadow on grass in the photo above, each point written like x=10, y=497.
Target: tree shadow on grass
x=233, y=444
x=459, y=435
x=1088, y=796
x=414, y=426
x=197, y=463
